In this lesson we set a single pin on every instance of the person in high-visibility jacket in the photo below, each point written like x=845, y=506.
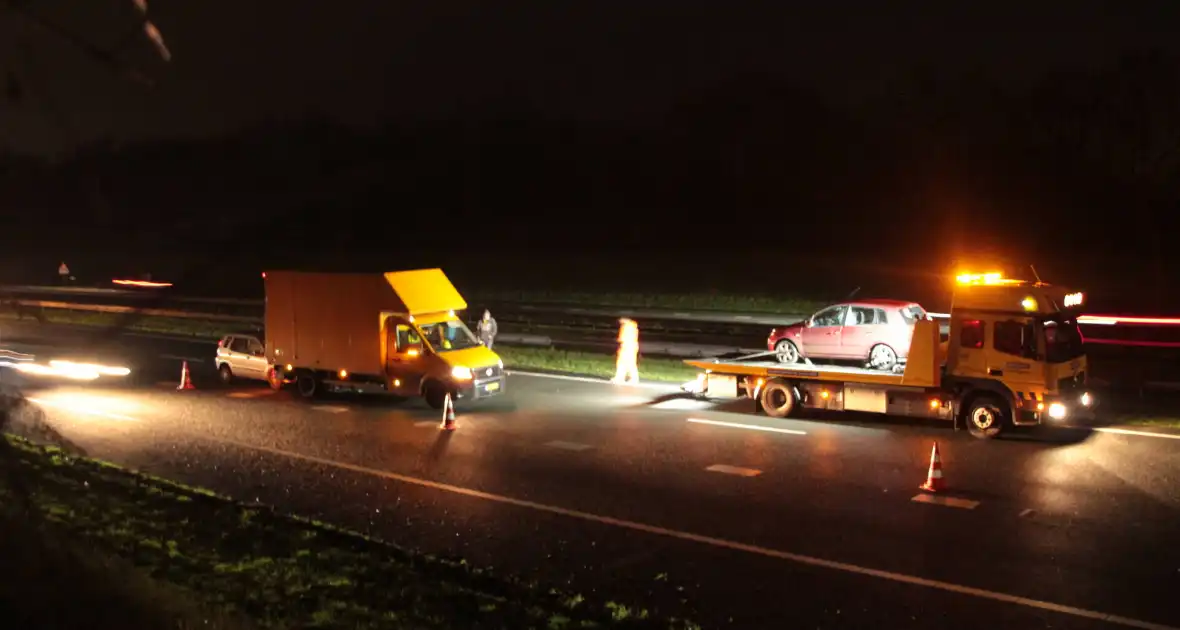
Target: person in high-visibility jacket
x=487, y=329
x=627, y=362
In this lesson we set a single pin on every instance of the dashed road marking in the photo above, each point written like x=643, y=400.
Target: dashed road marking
x=752, y=427
x=330, y=408
x=568, y=446
x=253, y=393
x=721, y=543
x=1026, y=512
x=1168, y=436
x=963, y=504
x=427, y=423
x=734, y=470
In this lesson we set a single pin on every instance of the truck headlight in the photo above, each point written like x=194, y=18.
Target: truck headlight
x=1057, y=411
x=461, y=372
x=1087, y=399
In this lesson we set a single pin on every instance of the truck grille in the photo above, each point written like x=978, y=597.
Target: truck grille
x=1072, y=384
x=486, y=372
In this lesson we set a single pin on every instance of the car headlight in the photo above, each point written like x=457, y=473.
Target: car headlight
x=1057, y=411
x=461, y=372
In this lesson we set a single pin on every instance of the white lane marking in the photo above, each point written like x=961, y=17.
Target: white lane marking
x=714, y=542
x=734, y=470
x=180, y=358
x=255, y=393
x=427, y=423
x=963, y=504
x=743, y=317
x=752, y=427
x=84, y=410
x=597, y=381
x=1169, y=436
x=569, y=446
x=1026, y=512
x=330, y=408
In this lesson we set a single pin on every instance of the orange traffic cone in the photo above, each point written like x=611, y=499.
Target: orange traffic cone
x=186, y=379
x=934, y=480
x=448, y=423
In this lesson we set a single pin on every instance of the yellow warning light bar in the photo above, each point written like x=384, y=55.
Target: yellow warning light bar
x=992, y=278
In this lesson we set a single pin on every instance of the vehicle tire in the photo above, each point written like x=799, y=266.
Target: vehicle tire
x=986, y=416
x=225, y=374
x=882, y=357
x=777, y=399
x=435, y=395
x=786, y=351
x=307, y=385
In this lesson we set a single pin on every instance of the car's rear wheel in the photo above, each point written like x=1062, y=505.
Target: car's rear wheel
x=882, y=357
x=786, y=352
x=225, y=374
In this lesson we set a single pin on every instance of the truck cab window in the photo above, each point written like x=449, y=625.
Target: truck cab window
x=1016, y=338
x=449, y=335
x=407, y=339
x=971, y=334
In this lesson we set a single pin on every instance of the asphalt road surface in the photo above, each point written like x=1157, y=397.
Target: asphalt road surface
x=633, y=493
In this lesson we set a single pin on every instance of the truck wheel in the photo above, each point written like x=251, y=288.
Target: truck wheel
x=986, y=416
x=778, y=399
x=786, y=352
x=308, y=385
x=435, y=395
x=225, y=374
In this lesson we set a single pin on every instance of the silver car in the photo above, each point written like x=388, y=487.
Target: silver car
x=241, y=356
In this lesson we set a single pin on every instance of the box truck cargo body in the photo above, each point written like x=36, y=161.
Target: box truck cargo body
x=395, y=333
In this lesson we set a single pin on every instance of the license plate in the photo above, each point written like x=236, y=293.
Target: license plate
x=491, y=387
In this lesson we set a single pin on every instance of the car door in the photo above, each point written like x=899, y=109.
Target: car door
x=255, y=358
x=864, y=327
x=238, y=357
x=404, y=356
x=821, y=337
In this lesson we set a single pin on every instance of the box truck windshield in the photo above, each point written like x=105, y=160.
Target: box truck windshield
x=449, y=335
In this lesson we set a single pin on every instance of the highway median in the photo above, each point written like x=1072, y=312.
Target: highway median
x=214, y=562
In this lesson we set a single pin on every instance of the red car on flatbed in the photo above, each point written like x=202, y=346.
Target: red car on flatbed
x=876, y=332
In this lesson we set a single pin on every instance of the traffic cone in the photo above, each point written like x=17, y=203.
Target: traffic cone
x=448, y=423
x=186, y=379
x=934, y=480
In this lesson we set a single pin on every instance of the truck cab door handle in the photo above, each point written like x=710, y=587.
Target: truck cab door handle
x=995, y=372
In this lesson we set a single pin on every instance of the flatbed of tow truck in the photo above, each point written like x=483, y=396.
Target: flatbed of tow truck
x=994, y=370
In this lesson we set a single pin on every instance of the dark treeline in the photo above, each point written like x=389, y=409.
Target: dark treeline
x=733, y=188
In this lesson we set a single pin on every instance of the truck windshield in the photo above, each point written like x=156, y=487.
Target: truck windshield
x=449, y=335
x=1063, y=339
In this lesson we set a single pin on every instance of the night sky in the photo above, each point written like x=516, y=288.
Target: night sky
x=365, y=62
x=771, y=130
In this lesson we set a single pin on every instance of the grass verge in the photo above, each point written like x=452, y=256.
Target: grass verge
x=274, y=570
x=682, y=301
x=178, y=326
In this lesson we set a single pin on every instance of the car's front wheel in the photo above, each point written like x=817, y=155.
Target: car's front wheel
x=225, y=374
x=882, y=357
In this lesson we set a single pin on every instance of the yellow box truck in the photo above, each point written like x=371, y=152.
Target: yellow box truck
x=395, y=333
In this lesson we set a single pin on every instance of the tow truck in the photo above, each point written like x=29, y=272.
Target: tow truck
x=1014, y=357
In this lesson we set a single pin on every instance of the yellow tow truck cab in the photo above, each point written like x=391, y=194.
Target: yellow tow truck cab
x=1013, y=356
x=395, y=333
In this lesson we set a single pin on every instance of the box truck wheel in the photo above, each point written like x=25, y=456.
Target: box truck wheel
x=435, y=394
x=307, y=384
